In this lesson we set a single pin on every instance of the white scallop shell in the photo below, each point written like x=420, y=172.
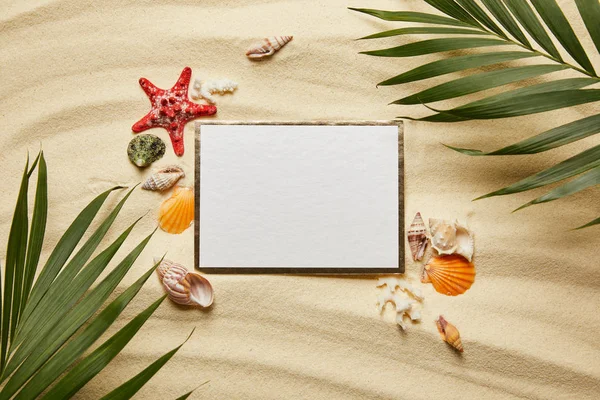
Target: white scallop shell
x=267, y=47
x=163, y=178
x=184, y=287
x=464, y=238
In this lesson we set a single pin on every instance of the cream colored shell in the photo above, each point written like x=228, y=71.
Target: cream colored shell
x=185, y=287
x=163, y=178
x=267, y=47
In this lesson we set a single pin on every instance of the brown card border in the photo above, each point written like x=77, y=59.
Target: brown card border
x=301, y=270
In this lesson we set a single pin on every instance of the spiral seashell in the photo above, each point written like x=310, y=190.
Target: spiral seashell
x=449, y=333
x=450, y=275
x=184, y=287
x=417, y=238
x=177, y=212
x=164, y=178
x=267, y=47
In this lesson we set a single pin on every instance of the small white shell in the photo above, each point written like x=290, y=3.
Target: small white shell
x=184, y=287
x=163, y=178
x=443, y=236
x=464, y=238
x=267, y=47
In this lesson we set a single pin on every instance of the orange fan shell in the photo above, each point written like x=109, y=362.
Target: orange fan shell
x=450, y=275
x=177, y=212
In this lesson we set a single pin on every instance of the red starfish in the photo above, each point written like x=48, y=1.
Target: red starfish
x=171, y=109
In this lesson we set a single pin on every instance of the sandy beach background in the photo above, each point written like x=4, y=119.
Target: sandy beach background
x=530, y=323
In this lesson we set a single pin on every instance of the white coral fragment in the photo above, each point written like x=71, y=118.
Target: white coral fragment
x=403, y=305
x=393, y=283
x=205, y=90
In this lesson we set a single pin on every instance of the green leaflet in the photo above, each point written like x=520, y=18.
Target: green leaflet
x=132, y=386
x=476, y=83
x=47, y=345
x=473, y=8
x=560, y=27
x=527, y=104
x=550, y=139
x=15, y=252
x=454, y=64
x=435, y=46
x=591, y=223
x=589, y=179
x=575, y=165
x=450, y=7
x=91, y=365
x=63, y=250
x=188, y=394
x=563, y=84
x=498, y=10
x=64, y=280
x=408, y=16
x=590, y=13
x=82, y=341
x=433, y=30
x=523, y=12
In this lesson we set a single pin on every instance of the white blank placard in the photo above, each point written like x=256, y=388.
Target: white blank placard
x=298, y=196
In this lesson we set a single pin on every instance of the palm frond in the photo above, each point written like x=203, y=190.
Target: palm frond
x=504, y=23
x=39, y=318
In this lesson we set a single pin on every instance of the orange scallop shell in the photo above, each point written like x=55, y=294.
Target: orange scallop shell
x=177, y=212
x=450, y=275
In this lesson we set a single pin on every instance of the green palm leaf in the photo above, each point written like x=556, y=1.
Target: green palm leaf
x=454, y=64
x=476, y=83
x=426, y=30
x=590, y=13
x=434, y=46
x=499, y=11
x=408, y=16
x=132, y=386
x=36, y=348
x=550, y=95
x=91, y=365
x=560, y=27
x=523, y=12
x=578, y=184
x=591, y=223
x=575, y=165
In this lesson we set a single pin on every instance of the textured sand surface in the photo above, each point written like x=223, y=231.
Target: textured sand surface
x=529, y=324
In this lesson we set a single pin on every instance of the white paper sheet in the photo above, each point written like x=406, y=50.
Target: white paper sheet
x=299, y=196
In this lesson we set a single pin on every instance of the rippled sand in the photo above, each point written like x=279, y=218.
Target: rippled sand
x=529, y=324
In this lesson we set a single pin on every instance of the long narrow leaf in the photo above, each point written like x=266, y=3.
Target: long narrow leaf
x=63, y=250
x=582, y=182
x=435, y=46
x=523, y=12
x=528, y=104
x=80, y=343
x=450, y=7
x=38, y=228
x=498, y=10
x=41, y=347
x=560, y=85
x=49, y=312
x=425, y=30
x=473, y=8
x=575, y=165
x=91, y=365
x=591, y=223
x=545, y=141
x=590, y=13
x=188, y=394
x=132, y=386
x=64, y=280
x=560, y=27
x=409, y=16
x=454, y=64
x=476, y=83
x=16, y=247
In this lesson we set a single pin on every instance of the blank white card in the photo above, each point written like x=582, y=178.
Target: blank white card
x=315, y=197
